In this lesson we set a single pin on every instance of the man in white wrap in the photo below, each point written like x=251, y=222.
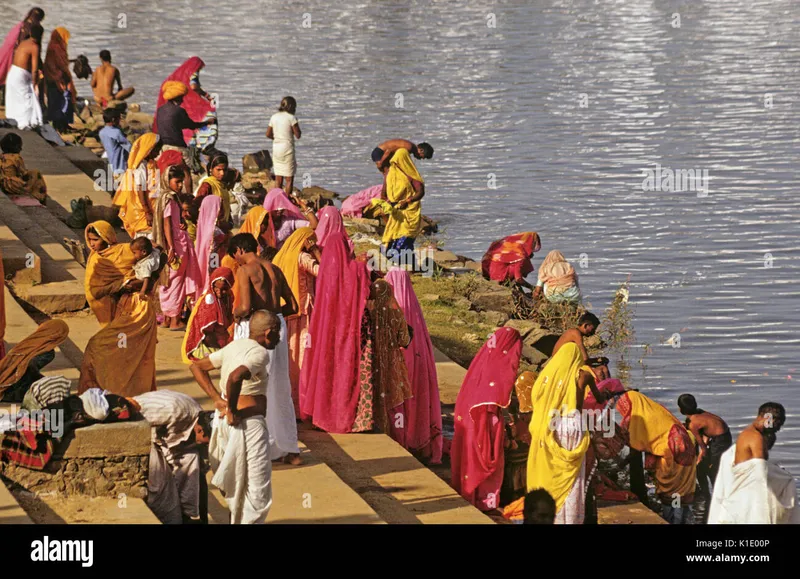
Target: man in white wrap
x=22, y=102
x=263, y=287
x=239, y=446
x=750, y=489
x=173, y=482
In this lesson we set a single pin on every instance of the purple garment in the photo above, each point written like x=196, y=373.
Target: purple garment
x=288, y=226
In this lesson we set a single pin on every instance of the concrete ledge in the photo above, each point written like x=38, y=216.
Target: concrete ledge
x=84, y=159
x=108, y=440
x=16, y=258
x=54, y=297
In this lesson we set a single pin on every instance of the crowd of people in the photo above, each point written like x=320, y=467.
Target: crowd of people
x=301, y=328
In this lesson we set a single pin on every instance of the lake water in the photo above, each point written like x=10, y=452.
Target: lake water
x=544, y=116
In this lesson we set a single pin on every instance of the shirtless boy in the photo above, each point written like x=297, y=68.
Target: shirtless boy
x=587, y=326
x=382, y=154
x=103, y=80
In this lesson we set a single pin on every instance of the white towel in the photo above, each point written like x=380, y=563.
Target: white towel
x=754, y=492
x=21, y=102
x=242, y=469
x=95, y=404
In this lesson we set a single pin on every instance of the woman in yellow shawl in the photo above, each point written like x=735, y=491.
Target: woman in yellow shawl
x=21, y=366
x=258, y=223
x=61, y=91
x=299, y=259
x=106, y=269
x=133, y=195
x=212, y=184
x=403, y=189
x=669, y=451
x=558, y=439
x=121, y=357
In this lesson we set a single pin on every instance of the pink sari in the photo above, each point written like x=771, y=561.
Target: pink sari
x=330, y=221
x=477, y=454
x=354, y=205
x=196, y=106
x=184, y=281
x=276, y=199
x=204, y=240
x=329, y=379
x=7, y=52
x=422, y=415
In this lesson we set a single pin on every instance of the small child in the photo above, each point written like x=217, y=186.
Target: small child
x=148, y=262
x=15, y=179
x=115, y=143
x=189, y=218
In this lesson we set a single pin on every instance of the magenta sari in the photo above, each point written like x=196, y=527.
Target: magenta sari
x=421, y=429
x=330, y=222
x=354, y=205
x=204, y=240
x=329, y=379
x=477, y=454
x=7, y=52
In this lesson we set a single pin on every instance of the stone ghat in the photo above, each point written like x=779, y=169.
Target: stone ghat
x=102, y=460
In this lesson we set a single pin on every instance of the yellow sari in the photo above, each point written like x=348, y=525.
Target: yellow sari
x=219, y=190
x=131, y=212
x=288, y=258
x=550, y=466
x=402, y=222
x=105, y=272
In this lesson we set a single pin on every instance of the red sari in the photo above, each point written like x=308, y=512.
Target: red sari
x=329, y=379
x=509, y=259
x=477, y=453
x=193, y=103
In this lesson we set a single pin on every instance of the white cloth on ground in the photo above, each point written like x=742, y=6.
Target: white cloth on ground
x=21, y=102
x=242, y=470
x=147, y=266
x=95, y=404
x=281, y=418
x=754, y=492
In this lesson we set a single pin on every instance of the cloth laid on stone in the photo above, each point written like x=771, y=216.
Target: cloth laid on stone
x=95, y=404
x=754, y=492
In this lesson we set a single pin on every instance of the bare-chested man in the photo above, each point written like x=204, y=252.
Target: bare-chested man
x=103, y=80
x=262, y=286
x=587, y=326
x=382, y=154
x=713, y=439
x=753, y=441
x=22, y=82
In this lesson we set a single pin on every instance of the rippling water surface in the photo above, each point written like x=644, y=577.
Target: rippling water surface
x=562, y=105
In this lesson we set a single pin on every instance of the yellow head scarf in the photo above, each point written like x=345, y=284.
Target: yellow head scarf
x=287, y=259
x=104, y=229
x=173, y=89
x=555, y=397
x=253, y=220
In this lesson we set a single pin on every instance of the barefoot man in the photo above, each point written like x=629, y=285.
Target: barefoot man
x=239, y=446
x=262, y=286
x=22, y=99
x=751, y=489
x=103, y=80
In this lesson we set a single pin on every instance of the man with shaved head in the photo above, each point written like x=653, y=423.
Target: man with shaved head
x=239, y=446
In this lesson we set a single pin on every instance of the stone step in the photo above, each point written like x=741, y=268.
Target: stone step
x=20, y=264
x=11, y=513
x=395, y=484
x=62, y=287
x=57, y=229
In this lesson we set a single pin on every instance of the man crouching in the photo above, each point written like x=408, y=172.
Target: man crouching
x=239, y=446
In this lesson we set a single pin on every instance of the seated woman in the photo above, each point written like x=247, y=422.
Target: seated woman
x=22, y=366
x=286, y=216
x=15, y=179
x=509, y=259
x=476, y=454
x=558, y=280
x=211, y=319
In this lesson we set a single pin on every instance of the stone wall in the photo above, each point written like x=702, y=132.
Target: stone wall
x=103, y=460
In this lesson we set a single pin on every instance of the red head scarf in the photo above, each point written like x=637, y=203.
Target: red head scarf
x=208, y=312
x=329, y=379
x=169, y=159
x=477, y=458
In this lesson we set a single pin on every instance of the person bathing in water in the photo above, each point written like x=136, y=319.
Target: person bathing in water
x=104, y=78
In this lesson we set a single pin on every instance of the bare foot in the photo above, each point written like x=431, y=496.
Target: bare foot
x=293, y=459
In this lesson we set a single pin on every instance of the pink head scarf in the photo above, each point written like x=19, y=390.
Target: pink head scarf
x=196, y=106
x=330, y=221
x=329, y=378
x=422, y=414
x=477, y=458
x=277, y=199
x=204, y=241
x=354, y=205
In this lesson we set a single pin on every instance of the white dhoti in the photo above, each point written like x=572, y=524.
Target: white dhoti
x=21, y=102
x=281, y=418
x=242, y=470
x=754, y=492
x=283, y=163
